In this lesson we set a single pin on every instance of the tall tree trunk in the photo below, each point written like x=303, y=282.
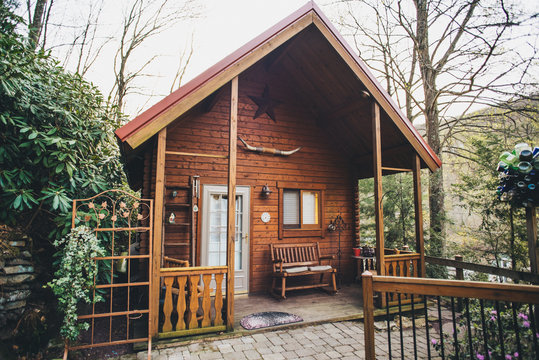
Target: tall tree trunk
x=428, y=75
x=34, y=30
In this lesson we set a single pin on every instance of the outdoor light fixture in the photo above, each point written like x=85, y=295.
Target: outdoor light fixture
x=265, y=191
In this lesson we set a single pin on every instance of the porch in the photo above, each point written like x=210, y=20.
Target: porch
x=313, y=306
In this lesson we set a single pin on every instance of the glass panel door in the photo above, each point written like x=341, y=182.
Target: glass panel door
x=214, y=226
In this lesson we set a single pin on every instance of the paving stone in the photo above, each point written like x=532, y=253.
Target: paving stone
x=234, y=356
x=333, y=354
x=252, y=354
x=321, y=356
x=275, y=340
x=242, y=347
x=225, y=348
x=273, y=357
x=276, y=349
x=247, y=339
x=259, y=337
x=263, y=350
x=289, y=355
x=210, y=355
x=305, y=352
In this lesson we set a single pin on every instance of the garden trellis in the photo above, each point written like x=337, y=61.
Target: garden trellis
x=119, y=220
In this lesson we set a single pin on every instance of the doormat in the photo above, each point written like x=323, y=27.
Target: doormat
x=267, y=319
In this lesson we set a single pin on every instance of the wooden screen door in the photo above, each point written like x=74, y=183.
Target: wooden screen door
x=214, y=225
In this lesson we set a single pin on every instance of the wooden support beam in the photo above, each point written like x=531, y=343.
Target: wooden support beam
x=278, y=55
x=377, y=170
x=533, y=248
x=368, y=315
x=231, y=218
x=157, y=229
x=418, y=207
x=386, y=168
x=181, y=153
x=211, y=100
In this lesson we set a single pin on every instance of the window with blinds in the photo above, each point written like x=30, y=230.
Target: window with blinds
x=291, y=208
x=301, y=209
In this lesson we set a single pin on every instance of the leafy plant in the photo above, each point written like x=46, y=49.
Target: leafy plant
x=56, y=136
x=489, y=335
x=74, y=279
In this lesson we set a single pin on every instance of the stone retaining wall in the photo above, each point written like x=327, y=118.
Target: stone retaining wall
x=16, y=277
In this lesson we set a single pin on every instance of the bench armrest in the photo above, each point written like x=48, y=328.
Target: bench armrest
x=326, y=257
x=280, y=262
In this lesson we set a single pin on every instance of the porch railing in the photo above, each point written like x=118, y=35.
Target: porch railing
x=498, y=321
x=190, y=305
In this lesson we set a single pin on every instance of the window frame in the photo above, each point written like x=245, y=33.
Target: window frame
x=304, y=230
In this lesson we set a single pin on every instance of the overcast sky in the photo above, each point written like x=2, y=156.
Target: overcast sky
x=222, y=27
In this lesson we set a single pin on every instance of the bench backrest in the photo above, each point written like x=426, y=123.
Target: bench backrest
x=295, y=254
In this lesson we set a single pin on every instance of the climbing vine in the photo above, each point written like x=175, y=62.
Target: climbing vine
x=73, y=280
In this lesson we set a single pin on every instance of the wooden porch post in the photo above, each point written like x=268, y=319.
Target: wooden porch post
x=231, y=218
x=157, y=229
x=377, y=171
x=418, y=206
x=368, y=315
x=531, y=226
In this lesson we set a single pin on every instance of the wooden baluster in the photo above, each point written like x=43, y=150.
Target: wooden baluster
x=167, y=307
x=389, y=272
x=402, y=269
x=415, y=264
x=218, y=299
x=193, y=301
x=181, y=304
x=206, y=301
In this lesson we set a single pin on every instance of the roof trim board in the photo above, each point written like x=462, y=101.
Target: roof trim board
x=143, y=127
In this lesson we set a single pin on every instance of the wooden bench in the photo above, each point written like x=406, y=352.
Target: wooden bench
x=292, y=260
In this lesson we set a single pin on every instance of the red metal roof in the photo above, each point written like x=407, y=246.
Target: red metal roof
x=146, y=117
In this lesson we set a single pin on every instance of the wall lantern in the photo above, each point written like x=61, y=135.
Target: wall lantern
x=265, y=191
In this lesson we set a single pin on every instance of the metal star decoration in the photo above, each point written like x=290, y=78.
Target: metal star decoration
x=265, y=104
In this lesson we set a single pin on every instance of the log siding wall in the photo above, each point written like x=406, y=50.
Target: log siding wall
x=318, y=162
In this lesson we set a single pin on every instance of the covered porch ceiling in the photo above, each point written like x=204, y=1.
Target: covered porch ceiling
x=340, y=103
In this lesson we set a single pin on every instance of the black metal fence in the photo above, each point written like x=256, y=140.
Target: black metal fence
x=448, y=319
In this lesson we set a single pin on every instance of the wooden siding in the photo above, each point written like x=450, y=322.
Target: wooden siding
x=318, y=162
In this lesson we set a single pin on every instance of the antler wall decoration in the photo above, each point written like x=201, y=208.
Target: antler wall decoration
x=264, y=150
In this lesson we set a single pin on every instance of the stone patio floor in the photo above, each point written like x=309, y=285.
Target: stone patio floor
x=340, y=340
x=332, y=329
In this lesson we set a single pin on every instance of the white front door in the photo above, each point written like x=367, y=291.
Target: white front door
x=214, y=225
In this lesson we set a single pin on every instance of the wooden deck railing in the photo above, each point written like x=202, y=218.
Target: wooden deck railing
x=190, y=305
x=401, y=265
x=459, y=265
x=463, y=341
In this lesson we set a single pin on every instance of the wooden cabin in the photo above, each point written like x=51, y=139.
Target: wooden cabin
x=289, y=123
